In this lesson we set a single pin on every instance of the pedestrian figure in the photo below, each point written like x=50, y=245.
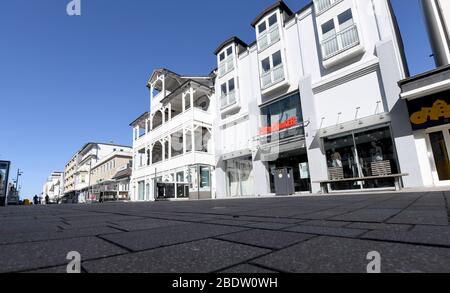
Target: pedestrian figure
x=35, y=200
x=47, y=200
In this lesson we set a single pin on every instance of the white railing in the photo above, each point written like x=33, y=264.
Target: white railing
x=340, y=42
x=323, y=5
x=228, y=100
x=226, y=66
x=269, y=37
x=273, y=76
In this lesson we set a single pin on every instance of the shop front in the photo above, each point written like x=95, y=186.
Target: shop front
x=191, y=182
x=355, y=152
x=431, y=116
x=282, y=146
x=428, y=99
x=239, y=176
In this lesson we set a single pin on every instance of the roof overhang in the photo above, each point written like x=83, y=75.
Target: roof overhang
x=278, y=5
x=232, y=40
x=426, y=84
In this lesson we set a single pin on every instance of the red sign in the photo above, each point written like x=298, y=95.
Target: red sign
x=291, y=122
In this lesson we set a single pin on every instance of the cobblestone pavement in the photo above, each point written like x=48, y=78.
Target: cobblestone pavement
x=299, y=234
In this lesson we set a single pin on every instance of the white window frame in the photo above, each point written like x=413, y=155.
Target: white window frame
x=322, y=9
x=268, y=32
x=272, y=69
x=228, y=93
x=227, y=64
x=339, y=36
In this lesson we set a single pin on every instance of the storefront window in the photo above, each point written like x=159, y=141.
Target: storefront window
x=239, y=177
x=282, y=118
x=362, y=154
x=297, y=160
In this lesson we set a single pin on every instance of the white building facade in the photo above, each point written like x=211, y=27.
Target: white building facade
x=173, y=154
x=315, y=98
x=54, y=187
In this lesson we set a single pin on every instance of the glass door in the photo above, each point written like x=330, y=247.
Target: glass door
x=440, y=143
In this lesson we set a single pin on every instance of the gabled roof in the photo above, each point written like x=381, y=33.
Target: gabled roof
x=232, y=40
x=278, y=5
x=145, y=115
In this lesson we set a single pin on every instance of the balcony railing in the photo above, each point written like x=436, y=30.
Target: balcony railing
x=340, y=42
x=324, y=5
x=269, y=37
x=228, y=100
x=272, y=77
x=226, y=66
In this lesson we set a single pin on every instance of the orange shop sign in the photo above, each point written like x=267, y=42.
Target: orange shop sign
x=291, y=122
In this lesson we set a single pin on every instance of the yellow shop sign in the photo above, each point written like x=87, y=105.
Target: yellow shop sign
x=439, y=110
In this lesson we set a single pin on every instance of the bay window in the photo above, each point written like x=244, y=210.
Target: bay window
x=228, y=94
x=272, y=70
x=226, y=61
x=268, y=32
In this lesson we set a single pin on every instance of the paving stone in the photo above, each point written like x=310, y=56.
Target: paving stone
x=229, y=222
x=368, y=215
x=247, y=269
x=146, y=224
x=147, y=239
x=266, y=239
x=268, y=226
x=378, y=226
x=203, y=256
x=35, y=255
x=421, y=217
x=62, y=234
x=323, y=223
x=338, y=255
x=330, y=231
x=431, y=235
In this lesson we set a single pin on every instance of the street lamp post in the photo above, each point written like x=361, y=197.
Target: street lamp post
x=19, y=173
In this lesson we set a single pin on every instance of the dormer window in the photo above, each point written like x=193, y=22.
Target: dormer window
x=226, y=61
x=268, y=32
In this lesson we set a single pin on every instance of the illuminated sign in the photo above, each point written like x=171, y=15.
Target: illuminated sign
x=430, y=111
x=291, y=122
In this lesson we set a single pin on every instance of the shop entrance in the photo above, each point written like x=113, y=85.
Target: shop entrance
x=297, y=162
x=440, y=146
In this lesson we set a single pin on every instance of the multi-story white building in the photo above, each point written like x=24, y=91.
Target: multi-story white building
x=428, y=97
x=173, y=149
x=315, y=98
x=78, y=171
x=54, y=187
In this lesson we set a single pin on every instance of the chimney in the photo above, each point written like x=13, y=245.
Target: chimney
x=437, y=20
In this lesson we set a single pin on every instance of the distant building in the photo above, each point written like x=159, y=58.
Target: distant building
x=78, y=171
x=53, y=187
x=108, y=177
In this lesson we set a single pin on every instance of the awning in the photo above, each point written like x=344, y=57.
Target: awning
x=237, y=154
x=355, y=125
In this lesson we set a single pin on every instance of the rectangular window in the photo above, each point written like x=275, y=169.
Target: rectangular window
x=345, y=20
x=361, y=154
x=228, y=96
x=262, y=28
x=268, y=32
x=272, y=70
x=328, y=29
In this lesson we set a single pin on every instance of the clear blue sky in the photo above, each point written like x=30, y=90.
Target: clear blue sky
x=65, y=81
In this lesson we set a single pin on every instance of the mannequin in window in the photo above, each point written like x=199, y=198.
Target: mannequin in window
x=376, y=153
x=336, y=159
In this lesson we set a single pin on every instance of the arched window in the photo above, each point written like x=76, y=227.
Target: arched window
x=157, y=153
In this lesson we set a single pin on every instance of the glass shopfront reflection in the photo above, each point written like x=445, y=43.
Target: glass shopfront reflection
x=361, y=154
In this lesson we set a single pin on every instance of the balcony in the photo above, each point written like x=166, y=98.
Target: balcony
x=269, y=37
x=226, y=66
x=272, y=77
x=228, y=100
x=324, y=5
x=340, y=42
